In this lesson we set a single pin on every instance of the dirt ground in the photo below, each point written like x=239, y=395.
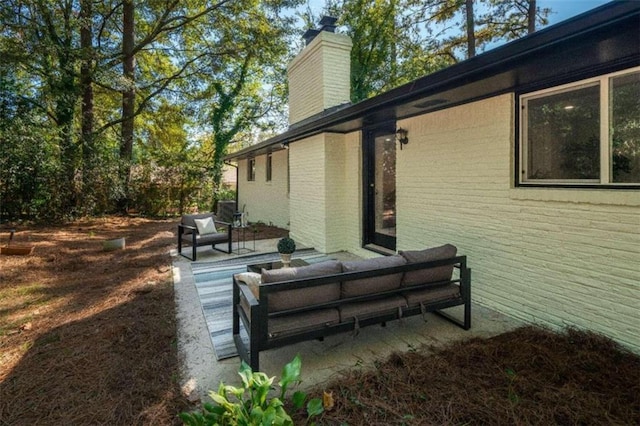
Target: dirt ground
x=88, y=336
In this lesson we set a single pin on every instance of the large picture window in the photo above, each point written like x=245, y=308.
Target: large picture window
x=587, y=133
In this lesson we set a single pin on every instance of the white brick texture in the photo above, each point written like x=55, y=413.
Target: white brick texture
x=558, y=257
x=266, y=202
x=325, y=191
x=319, y=77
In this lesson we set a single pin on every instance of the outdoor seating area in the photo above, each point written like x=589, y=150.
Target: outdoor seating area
x=269, y=213
x=280, y=307
x=203, y=229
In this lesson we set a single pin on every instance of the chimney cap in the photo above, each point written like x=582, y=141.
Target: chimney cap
x=309, y=35
x=327, y=23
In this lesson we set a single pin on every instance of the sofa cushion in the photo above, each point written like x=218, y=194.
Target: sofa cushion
x=298, y=298
x=373, y=284
x=436, y=294
x=371, y=308
x=431, y=275
x=307, y=321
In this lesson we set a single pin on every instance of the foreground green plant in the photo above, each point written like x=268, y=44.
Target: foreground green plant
x=250, y=404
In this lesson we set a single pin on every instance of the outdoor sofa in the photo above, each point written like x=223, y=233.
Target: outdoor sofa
x=284, y=306
x=195, y=230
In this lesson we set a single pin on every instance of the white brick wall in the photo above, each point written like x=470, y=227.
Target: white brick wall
x=552, y=256
x=319, y=77
x=308, y=197
x=267, y=202
x=325, y=191
x=351, y=189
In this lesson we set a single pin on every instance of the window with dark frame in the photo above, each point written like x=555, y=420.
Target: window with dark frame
x=251, y=169
x=584, y=133
x=269, y=167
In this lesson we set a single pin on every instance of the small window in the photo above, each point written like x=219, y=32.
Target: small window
x=269, y=167
x=584, y=133
x=251, y=169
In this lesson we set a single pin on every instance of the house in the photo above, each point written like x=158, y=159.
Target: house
x=526, y=157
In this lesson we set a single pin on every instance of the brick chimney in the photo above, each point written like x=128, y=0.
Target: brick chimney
x=319, y=77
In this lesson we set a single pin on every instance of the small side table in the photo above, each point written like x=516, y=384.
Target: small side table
x=258, y=267
x=241, y=237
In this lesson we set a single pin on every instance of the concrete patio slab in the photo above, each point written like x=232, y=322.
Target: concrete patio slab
x=321, y=361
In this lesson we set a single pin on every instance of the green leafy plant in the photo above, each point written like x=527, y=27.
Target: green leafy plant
x=251, y=403
x=286, y=245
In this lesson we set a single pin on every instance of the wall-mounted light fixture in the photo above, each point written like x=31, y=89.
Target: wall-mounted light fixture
x=284, y=145
x=402, y=137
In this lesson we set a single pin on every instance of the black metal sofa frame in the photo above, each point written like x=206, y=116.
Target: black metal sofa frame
x=188, y=232
x=255, y=315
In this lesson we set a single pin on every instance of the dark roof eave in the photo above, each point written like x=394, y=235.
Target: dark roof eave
x=465, y=71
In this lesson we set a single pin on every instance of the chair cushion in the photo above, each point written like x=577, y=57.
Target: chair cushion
x=202, y=240
x=205, y=226
x=189, y=219
x=298, y=298
x=373, y=284
x=431, y=275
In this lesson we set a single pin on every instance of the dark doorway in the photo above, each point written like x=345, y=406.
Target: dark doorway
x=379, y=153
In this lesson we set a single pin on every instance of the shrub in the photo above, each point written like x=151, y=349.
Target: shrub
x=286, y=246
x=251, y=404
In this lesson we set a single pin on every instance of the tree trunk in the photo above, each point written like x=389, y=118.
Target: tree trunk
x=67, y=91
x=531, y=17
x=471, y=30
x=128, y=100
x=394, y=44
x=86, y=80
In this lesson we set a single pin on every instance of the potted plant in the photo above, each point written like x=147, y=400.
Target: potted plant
x=286, y=246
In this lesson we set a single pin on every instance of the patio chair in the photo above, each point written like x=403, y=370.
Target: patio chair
x=202, y=230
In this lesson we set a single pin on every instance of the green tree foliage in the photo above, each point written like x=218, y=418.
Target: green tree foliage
x=27, y=152
x=112, y=104
x=511, y=19
x=397, y=41
x=389, y=47
x=471, y=25
x=39, y=39
x=248, y=89
x=108, y=112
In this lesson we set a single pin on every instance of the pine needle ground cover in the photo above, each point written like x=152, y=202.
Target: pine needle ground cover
x=529, y=376
x=88, y=336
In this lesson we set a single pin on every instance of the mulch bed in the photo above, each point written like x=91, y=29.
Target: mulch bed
x=530, y=376
x=88, y=336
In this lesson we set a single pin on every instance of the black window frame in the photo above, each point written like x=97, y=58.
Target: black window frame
x=521, y=123
x=251, y=169
x=269, y=167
